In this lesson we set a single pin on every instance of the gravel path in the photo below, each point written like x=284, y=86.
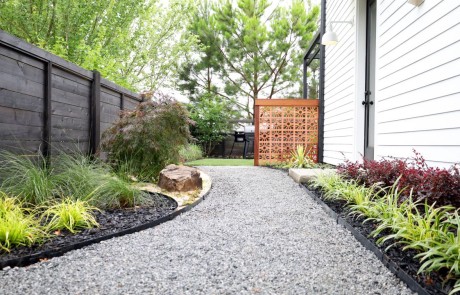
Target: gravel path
x=256, y=233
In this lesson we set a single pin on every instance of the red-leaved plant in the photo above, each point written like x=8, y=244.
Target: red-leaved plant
x=435, y=185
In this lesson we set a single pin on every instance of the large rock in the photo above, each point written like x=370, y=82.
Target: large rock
x=180, y=179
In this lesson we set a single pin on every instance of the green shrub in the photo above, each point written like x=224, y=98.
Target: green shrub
x=212, y=117
x=190, y=152
x=26, y=177
x=17, y=226
x=147, y=138
x=71, y=215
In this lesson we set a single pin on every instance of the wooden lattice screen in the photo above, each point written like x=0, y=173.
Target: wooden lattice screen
x=283, y=124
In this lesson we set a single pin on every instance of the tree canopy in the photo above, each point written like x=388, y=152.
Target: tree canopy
x=134, y=43
x=253, y=47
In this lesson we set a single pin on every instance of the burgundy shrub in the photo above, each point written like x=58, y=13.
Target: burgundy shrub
x=435, y=185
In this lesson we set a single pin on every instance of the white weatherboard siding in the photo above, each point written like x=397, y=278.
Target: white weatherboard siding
x=339, y=90
x=418, y=80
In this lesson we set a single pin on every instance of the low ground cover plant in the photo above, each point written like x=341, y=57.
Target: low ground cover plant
x=435, y=185
x=148, y=138
x=431, y=230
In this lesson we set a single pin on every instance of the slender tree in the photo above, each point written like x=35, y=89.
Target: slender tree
x=262, y=45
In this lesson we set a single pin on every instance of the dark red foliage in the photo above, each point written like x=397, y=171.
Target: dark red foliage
x=426, y=183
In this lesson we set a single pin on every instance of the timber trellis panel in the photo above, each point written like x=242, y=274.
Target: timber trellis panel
x=283, y=124
x=49, y=103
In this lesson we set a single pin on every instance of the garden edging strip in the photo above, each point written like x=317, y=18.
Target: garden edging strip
x=30, y=259
x=387, y=262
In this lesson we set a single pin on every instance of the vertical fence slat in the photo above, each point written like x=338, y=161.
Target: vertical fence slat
x=46, y=139
x=95, y=114
x=122, y=102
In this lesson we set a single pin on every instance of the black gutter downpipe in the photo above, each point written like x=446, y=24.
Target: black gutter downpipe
x=304, y=82
x=321, y=85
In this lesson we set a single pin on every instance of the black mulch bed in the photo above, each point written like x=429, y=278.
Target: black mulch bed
x=404, y=259
x=110, y=222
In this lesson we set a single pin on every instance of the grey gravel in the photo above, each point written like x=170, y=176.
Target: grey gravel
x=256, y=233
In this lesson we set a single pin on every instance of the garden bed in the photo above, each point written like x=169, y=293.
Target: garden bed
x=398, y=261
x=112, y=223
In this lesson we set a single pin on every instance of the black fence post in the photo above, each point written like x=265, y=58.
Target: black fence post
x=95, y=114
x=46, y=136
x=122, y=102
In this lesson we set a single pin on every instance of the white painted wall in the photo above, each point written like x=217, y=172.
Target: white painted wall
x=418, y=80
x=339, y=90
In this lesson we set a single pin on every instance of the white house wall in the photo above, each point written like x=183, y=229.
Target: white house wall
x=339, y=90
x=418, y=80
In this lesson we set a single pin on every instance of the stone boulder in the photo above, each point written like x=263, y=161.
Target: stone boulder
x=180, y=179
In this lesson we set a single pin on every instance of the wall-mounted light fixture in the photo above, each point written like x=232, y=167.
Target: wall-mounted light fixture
x=415, y=2
x=330, y=37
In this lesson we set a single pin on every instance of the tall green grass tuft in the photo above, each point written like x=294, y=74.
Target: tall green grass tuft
x=26, y=177
x=115, y=192
x=89, y=180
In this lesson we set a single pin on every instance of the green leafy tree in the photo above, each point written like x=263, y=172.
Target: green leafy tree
x=261, y=46
x=212, y=117
x=133, y=43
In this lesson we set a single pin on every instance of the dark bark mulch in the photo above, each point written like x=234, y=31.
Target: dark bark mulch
x=433, y=283
x=110, y=222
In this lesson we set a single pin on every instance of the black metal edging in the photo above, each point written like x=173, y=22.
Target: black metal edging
x=30, y=259
x=387, y=262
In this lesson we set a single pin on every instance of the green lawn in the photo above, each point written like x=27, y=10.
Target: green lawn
x=221, y=162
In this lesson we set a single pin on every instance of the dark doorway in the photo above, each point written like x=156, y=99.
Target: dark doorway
x=369, y=100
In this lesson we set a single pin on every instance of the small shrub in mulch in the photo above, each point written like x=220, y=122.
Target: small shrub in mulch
x=433, y=184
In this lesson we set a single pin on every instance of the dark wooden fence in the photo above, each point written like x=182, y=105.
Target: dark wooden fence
x=48, y=103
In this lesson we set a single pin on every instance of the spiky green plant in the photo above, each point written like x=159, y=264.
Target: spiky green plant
x=18, y=227
x=300, y=159
x=69, y=214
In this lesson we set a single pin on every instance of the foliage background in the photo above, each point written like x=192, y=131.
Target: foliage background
x=136, y=44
